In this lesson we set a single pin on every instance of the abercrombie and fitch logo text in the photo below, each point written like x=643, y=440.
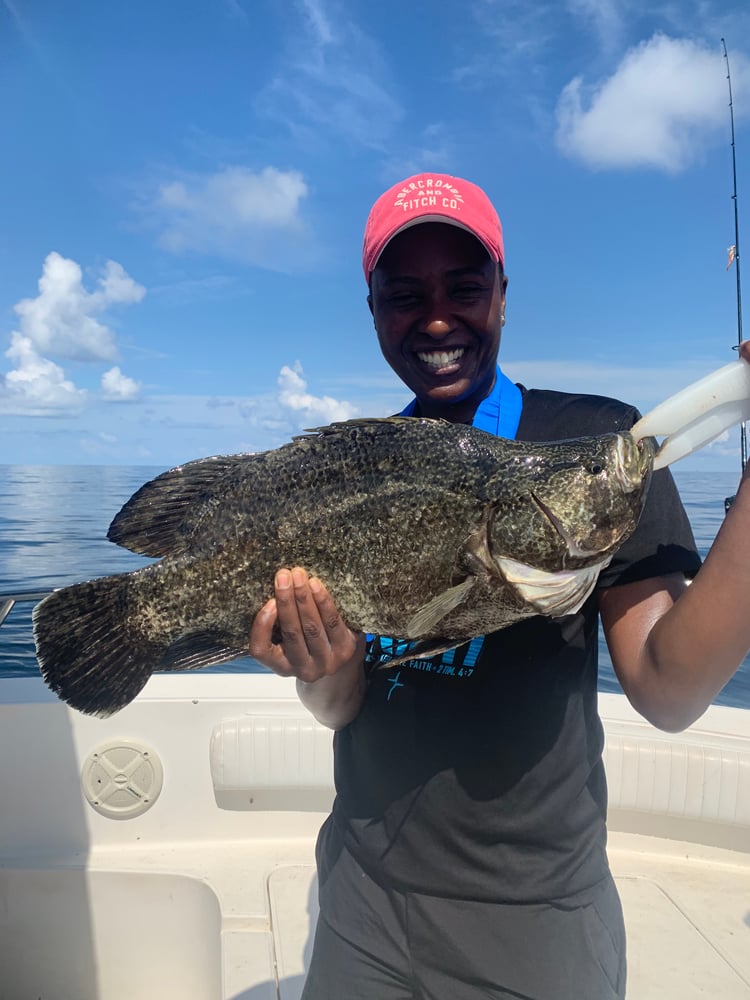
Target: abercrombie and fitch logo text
x=428, y=193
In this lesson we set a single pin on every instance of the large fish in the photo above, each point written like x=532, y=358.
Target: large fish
x=421, y=530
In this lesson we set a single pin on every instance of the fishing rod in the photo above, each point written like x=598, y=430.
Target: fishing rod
x=734, y=258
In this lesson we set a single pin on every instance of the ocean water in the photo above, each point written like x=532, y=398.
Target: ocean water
x=53, y=532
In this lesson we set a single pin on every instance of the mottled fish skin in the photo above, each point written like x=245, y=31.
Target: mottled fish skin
x=412, y=524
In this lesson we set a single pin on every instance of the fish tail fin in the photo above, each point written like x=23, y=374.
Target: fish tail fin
x=89, y=652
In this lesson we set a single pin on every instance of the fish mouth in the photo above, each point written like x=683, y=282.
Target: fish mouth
x=648, y=449
x=634, y=457
x=574, y=549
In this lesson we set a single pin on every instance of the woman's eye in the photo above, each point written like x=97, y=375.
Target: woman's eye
x=403, y=298
x=468, y=291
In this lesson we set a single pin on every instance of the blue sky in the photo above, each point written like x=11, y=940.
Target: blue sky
x=183, y=189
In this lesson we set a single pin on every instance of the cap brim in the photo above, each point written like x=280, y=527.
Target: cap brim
x=434, y=217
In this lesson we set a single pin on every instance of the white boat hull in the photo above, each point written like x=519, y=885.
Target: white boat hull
x=207, y=890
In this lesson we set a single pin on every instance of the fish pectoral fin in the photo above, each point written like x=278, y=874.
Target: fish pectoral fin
x=422, y=651
x=198, y=649
x=553, y=594
x=435, y=610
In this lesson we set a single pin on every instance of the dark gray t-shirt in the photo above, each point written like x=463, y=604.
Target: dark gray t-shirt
x=477, y=774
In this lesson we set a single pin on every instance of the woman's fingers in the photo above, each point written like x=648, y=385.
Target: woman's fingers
x=261, y=645
x=315, y=642
x=339, y=637
x=344, y=644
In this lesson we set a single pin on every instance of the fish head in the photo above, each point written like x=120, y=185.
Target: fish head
x=578, y=501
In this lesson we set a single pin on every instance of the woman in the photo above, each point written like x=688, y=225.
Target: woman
x=465, y=854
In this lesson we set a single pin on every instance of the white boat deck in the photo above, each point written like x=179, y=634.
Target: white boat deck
x=209, y=893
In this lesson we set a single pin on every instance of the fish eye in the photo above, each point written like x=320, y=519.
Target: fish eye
x=596, y=466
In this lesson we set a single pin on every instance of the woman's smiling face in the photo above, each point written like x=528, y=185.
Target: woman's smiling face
x=438, y=301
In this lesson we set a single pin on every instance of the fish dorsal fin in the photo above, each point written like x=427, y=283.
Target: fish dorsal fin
x=385, y=425
x=160, y=517
x=553, y=594
x=435, y=610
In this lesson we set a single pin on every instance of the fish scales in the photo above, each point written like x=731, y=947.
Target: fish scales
x=420, y=529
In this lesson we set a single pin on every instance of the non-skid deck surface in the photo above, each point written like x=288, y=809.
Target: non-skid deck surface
x=687, y=919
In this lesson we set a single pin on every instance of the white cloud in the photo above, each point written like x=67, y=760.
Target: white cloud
x=115, y=287
x=664, y=101
x=293, y=395
x=334, y=81
x=605, y=16
x=118, y=387
x=233, y=212
x=60, y=320
x=36, y=386
x=318, y=19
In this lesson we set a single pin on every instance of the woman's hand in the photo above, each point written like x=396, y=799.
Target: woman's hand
x=316, y=646
x=315, y=642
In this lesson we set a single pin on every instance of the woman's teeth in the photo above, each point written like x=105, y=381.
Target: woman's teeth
x=439, y=359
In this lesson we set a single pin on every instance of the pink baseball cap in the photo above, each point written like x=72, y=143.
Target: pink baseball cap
x=431, y=198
